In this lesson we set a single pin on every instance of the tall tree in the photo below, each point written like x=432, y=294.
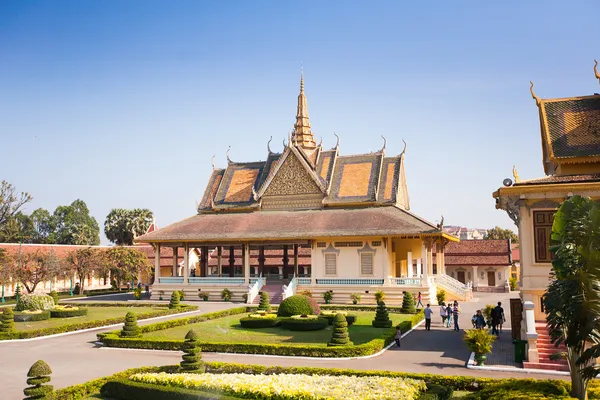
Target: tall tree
x=7, y=270
x=74, y=225
x=122, y=226
x=125, y=263
x=35, y=267
x=572, y=300
x=85, y=262
x=10, y=201
x=18, y=228
x=43, y=225
x=499, y=233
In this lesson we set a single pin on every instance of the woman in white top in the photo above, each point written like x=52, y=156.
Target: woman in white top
x=443, y=313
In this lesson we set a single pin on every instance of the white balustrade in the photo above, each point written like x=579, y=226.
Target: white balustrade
x=289, y=289
x=254, y=289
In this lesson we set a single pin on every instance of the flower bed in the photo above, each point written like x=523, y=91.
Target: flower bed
x=297, y=386
x=31, y=316
x=68, y=311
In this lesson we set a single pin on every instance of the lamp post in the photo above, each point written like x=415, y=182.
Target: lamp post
x=3, y=300
x=71, y=286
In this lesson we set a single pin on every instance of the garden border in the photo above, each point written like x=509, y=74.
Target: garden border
x=113, y=339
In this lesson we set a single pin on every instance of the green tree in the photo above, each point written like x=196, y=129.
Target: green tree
x=572, y=300
x=339, y=335
x=85, y=262
x=192, y=353
x=122, y=226
x=125, y=263
x=499, y=233
x=131, y=328
x=74, y=225
x=37, y=377
x=11, y=202
x=44, y=227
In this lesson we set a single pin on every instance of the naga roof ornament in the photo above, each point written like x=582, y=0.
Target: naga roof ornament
x=596, y=71
x=535, y=96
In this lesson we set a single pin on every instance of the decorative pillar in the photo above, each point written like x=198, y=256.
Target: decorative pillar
x=246, y=262
x=409, y=264
x=296, y=260
x=286, y=262
x=204, y=261
x=186, y=263
x=220, y=261
x=444, y=243
x=506, y=276
x=157, y=263
x=231, y=260
x=475, y=276
x=175, y=260
x=430, y=257
x=438, y=258
x=261, y=260
x=425, y=266
x=530, y=332
x=419, y=268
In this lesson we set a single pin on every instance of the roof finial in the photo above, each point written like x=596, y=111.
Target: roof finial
x=302, y=133
x=337, y=144
x=384, y=143
x=535, y=97
x=516, y=174
x=269, y=145
x=301, y=77
x=213, y=161
x=227, y=155
x=284, y=145
x=440, y=226
x=596, y=70
x=404, y=149
x=321, y=141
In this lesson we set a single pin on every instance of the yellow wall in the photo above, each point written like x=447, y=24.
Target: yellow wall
x=402, y=247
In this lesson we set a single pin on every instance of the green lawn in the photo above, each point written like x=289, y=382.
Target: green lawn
x=228, y=330
x=94, y=313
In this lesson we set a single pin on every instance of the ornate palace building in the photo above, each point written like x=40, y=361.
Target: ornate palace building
x=570, y=133
x=307, y=218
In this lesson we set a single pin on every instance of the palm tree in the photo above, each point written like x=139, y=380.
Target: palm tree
x=572, y=300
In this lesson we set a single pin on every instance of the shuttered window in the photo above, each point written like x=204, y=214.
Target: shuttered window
x=542, y=228
x=366, y=263
x=330, y=264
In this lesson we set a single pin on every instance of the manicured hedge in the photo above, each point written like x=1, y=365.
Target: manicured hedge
x=125, y=389
x=68, y=313
x=89, y=324
x=308, y=324
x=257, y=323
x=25, y=317
x=358, y=307
x=112, y=339
x=350, y=319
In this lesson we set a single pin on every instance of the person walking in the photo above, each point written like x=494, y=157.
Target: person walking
x=455, y=313
x=497, y=318
x=428, y=311
x=443, y=313
x=398, y=336
x=448, y=315
x=419, y=300
x=479, y=320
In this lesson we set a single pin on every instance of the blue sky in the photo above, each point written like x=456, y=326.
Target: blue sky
x=123, y=103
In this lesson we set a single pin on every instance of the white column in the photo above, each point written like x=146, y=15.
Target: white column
x=530, y=333
x=419, y=268
x=175, y=253
x=475, y=276
x=409, y=264
x=438, y=259
x=385, y=265
x=246, y=262
x=186, y=263
x=157, y=263
x=506, y=276
x=425, y=263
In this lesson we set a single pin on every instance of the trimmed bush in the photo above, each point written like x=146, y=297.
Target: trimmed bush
x=54, y=296
x=124, y=389
x=32, y=316
x=131, y=328
x=408, y=303
x=437, y=392
x=382, y=318
x=181, y=295
x=298, y=305
x=192, y=353
x=260, y=322
x=68, y=312
x=8, y=321
x=33, y=302
x=264, y=301
x=38, y=375
x=339, y=336
x=304, y=324
x=330, y=316
x=174, y=303
x=440, y=295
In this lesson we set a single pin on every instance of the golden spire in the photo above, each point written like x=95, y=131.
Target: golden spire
x=302, y=134
x=596, y=70
x=516, y=174
x=535, y=97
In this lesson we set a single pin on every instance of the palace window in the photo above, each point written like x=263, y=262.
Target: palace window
x=330, y=264
x=376, y=243
x=366, y=263
x=321, y=244
x=348, y=244
x=542, y=228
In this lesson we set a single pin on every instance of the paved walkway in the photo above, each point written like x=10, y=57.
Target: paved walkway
x=76, y=359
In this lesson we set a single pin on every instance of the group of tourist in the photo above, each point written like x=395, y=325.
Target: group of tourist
x=450, y=313
x=497, y=319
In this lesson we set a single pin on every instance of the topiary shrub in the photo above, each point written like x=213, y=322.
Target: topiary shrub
x=131, y=328
x=408, y=304
x=226, y=294
x=174, y=303
x=264, y=301
x=54, y=296
x=304, y=323
x=192, y=353
x=38, y=375
x=382, y=318
x=8, y=321
x=257, y=323
x=379, y=296
x=33, y=302
x=330, y=316
x=181, y=295
x=339, y=336
x=298, y=305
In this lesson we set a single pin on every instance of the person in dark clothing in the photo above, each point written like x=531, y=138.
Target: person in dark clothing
x=479, y=320
x=497, y=318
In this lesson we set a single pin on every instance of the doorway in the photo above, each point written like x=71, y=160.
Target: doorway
x=460, y=276
x=491, y=278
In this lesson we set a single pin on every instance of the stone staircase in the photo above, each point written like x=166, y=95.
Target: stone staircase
x=545, y=350
x=274, y=291
x=455, y=290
